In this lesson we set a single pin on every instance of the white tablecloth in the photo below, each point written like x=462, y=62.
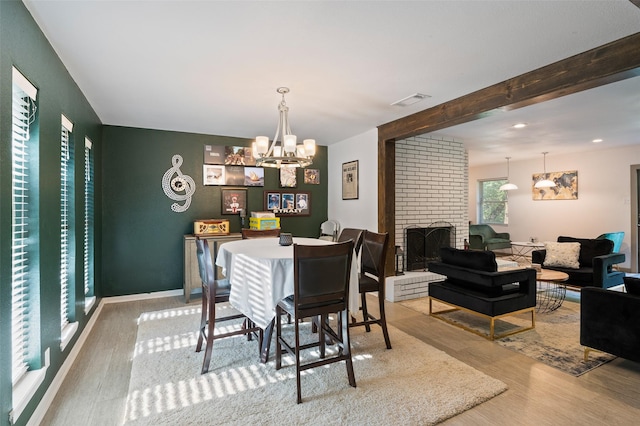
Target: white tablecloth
x=261, y=274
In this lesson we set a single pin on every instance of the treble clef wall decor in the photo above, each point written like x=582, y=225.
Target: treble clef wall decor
x=178, y=188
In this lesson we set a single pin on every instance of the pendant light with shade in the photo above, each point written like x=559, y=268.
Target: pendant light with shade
x=545, y=183
x=508, y=186
x=286, y=152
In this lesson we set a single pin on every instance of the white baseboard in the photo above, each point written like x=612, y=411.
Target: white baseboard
x=142, y=296
x=42, y=408
x=54, y=387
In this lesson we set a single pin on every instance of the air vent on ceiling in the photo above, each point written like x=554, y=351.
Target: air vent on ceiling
x=410, y=100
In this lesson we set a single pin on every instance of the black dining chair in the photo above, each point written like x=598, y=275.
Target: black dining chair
x=259, y=233
x=321, y=288
x=352, y=234
x=214, y=292
x=372, y=276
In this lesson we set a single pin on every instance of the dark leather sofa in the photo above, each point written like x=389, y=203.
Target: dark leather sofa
x=474, y=284
x=610, y=322
x=596, y=262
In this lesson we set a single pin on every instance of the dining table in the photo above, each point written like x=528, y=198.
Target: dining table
x=260, y=272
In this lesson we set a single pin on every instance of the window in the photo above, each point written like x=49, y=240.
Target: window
x=88, y=251
x=27, y=369
x=67, y=232
x=493, y=206
x=24, y=284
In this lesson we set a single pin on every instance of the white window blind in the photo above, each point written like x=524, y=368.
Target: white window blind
x=66, y=191
x=23, y=115
x=88, y=218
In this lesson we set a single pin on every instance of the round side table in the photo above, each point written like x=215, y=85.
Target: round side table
x=551, y=290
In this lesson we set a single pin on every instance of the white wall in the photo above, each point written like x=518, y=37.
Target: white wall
x=363, y=212
x=603, y=203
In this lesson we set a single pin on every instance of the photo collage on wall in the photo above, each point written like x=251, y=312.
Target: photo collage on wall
x=231, y=165
x=235, y=165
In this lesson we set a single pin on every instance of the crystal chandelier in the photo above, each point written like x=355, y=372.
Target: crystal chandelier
x=286, y=152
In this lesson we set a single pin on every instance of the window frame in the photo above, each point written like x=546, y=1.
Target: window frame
x=68, y=326
x=483, y=200
x=89, y=226
x=28, y=370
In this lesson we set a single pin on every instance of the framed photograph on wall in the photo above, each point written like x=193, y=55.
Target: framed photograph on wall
x=234, y=200
x=288, y=177
x=253, y=176
x=312, y=176
x=350, y=180
x=288, y=203
x=213, y=175
x=234, y=155
x=214, y=154
x=234, y=175
x=566, y=186
x=272, y=200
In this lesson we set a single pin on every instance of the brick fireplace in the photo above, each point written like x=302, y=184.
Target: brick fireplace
x=431, y=175
x=422, y=244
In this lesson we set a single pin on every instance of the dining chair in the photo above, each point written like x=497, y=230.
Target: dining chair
x=259, y=233
x=214, y=292
x=321, y=287
x=352, y=234
x=329, y=230
x=372, y=275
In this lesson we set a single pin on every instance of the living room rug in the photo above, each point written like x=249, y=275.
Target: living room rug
x=555, y=341
x=413, y=383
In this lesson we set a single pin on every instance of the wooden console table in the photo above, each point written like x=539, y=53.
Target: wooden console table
x=191, y=271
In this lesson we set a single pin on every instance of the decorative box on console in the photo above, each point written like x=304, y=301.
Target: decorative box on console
x=211, y=226
x=264, y=222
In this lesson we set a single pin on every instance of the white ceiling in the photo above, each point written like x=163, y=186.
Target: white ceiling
x=213, y=66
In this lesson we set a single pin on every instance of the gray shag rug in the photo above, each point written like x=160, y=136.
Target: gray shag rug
x=555, y=341
x=413, y=383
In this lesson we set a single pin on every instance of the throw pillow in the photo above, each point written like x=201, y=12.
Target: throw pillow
x=632, y=285
x=589, y=248
x=562, y=255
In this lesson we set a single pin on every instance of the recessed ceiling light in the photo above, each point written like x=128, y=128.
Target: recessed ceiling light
x=519, y=125
x=596, y=140
x=410, y=100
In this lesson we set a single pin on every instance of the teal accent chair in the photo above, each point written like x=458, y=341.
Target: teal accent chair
x=483, y=237
x=616, y=237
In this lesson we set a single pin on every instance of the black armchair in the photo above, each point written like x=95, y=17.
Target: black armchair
x=610, y=322
x=474, y=285
x=596, y=261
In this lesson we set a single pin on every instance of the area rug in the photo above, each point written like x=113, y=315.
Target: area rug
x=555, y=341
x=413, y=383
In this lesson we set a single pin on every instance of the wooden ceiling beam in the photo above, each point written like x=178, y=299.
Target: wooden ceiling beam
x=605, y=64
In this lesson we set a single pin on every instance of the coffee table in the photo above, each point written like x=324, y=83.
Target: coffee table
x=521, y=250
x=551, y=290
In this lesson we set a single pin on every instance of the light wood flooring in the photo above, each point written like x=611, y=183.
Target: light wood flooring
x=95, y=390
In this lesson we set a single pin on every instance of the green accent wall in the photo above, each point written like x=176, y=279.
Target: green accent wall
x=23, y=45
x=138, y=238
x=142, y=236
